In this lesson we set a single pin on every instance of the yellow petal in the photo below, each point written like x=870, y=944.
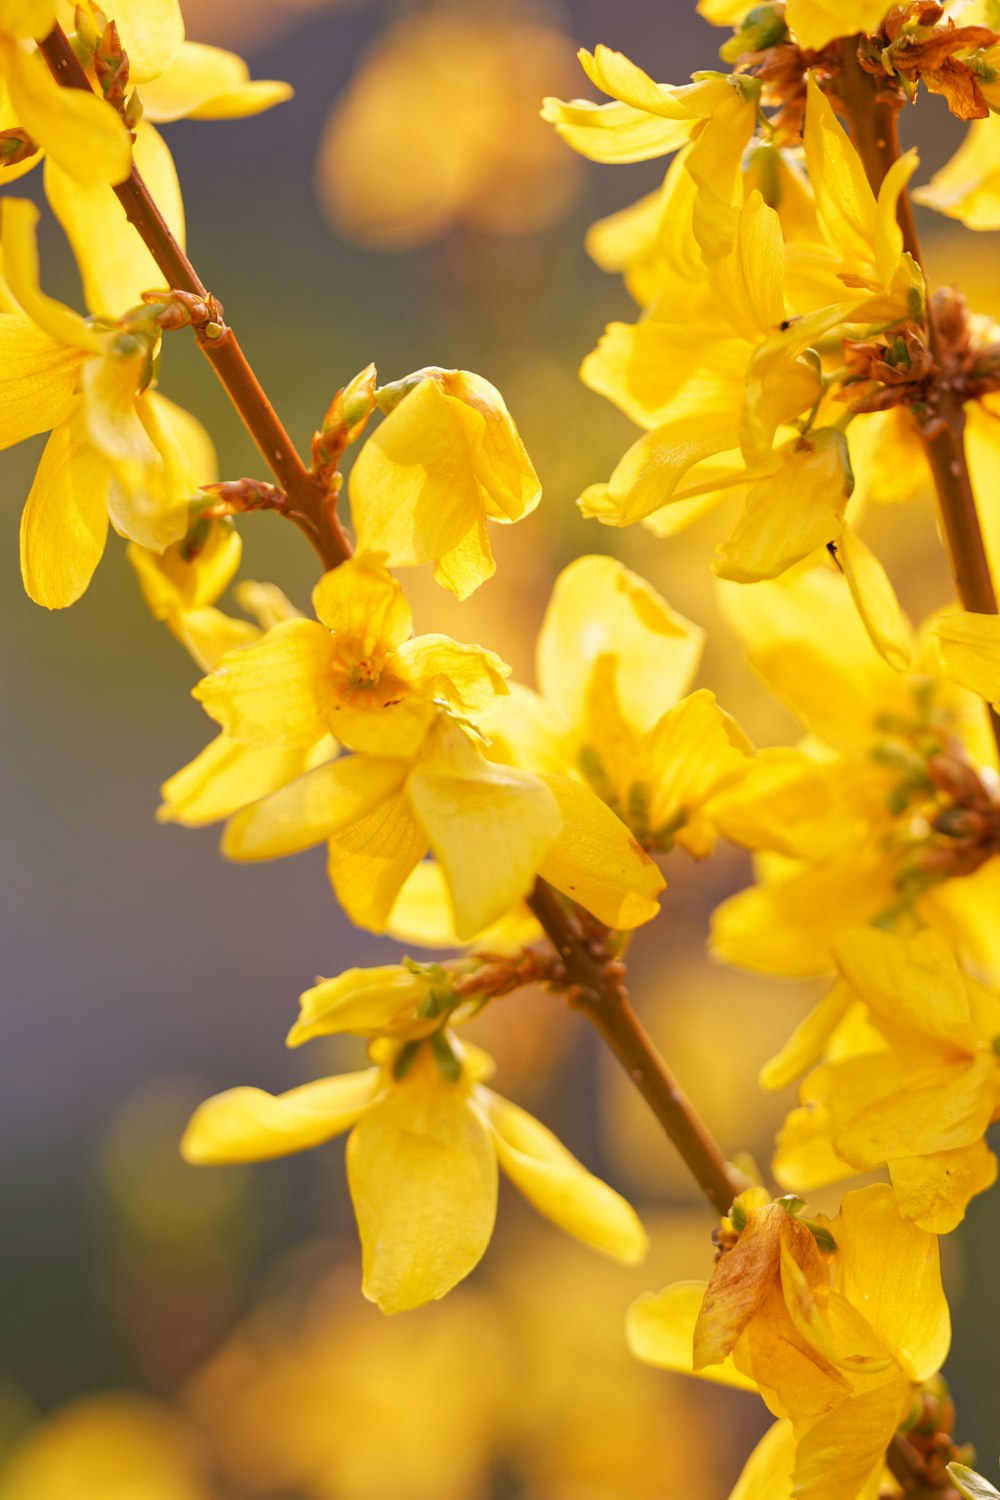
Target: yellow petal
x=913, y=987
x=467, y=677
x=804, y=1157
x=422, y=1169
x=649, y=473
x=208, y=83
x=808, y=1041
x=555, y=1183
x=934, y=1191
x=273, y=693
x=27, y=18
x=207, y=634
x=422, y=914
x=20, y=264
x=888, y=628
x=489, y=827
x=937, y=1110
x=151, y=32
x=968, y=186
x=843, y=1453
x=601, y=608
x=308, y=810
x=64, y=525
x=365, y=1002
x=969, y=645
x=425, y=480
x=596, y=861
x=114, y=262
x=817, y=22
x=799, y=509
x=370, y=858
x=805, y=640
x=615, y=132
x=660, y=1331
x=223, y=778
x=844, y=200
x=750, y=279
x=38, y=379
x=891, y=1271
x=767, y=1473
x=83, y=134
x=364, y=606
x=970, y=1484
x=251, y=1125
x=693, y=751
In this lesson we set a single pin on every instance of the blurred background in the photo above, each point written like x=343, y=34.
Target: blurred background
x=206, y=1327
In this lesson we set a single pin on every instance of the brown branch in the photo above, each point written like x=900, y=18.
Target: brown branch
x=596, y=990
x=311, y=509
x=872, y=109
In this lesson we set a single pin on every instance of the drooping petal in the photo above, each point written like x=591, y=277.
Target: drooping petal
x=223, y=778
x=934, y=1191
x=969, y=645
x=114, y=262
x=799, y=509
x=600, y=608
x=888, y=628
x=552, y=1179
x=660, y=1331
x=272, y=693
x=767, y=1473
x=326, y=799
x=843, y=1453
x=806, y=1044
x=38, y=380
x=596, y=861
x=83, y=134
x=64, y=524
x=968, y=186
x=208, y=83
x=422, y=1169
x=913, y=987
x=18, y=220
x=370, y=858
x=891, y=1270
x=489, y=826
x=422, y=914
x=648, y=474
x=251, y=1125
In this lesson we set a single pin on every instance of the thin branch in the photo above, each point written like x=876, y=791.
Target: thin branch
x=311, y=509
x=597, y=991
x=873, y=114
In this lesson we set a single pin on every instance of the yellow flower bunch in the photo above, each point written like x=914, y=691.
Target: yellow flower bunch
x=788, y=354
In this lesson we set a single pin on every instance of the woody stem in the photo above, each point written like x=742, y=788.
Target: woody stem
x=597, y=991
x=312, y=510
x=873, y=113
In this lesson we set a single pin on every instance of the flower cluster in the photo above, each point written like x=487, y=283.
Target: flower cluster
x=787, y=354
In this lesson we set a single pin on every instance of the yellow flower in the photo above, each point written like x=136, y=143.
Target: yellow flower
x=886, y=815
x=832, y=1323
x=493, y=829
x=612, y=663
x=117, y=449
x=356, y=672
x=446, y=459
x=715, y=113
x=426, y=1140
x=913, y=1084
x=81, y=132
